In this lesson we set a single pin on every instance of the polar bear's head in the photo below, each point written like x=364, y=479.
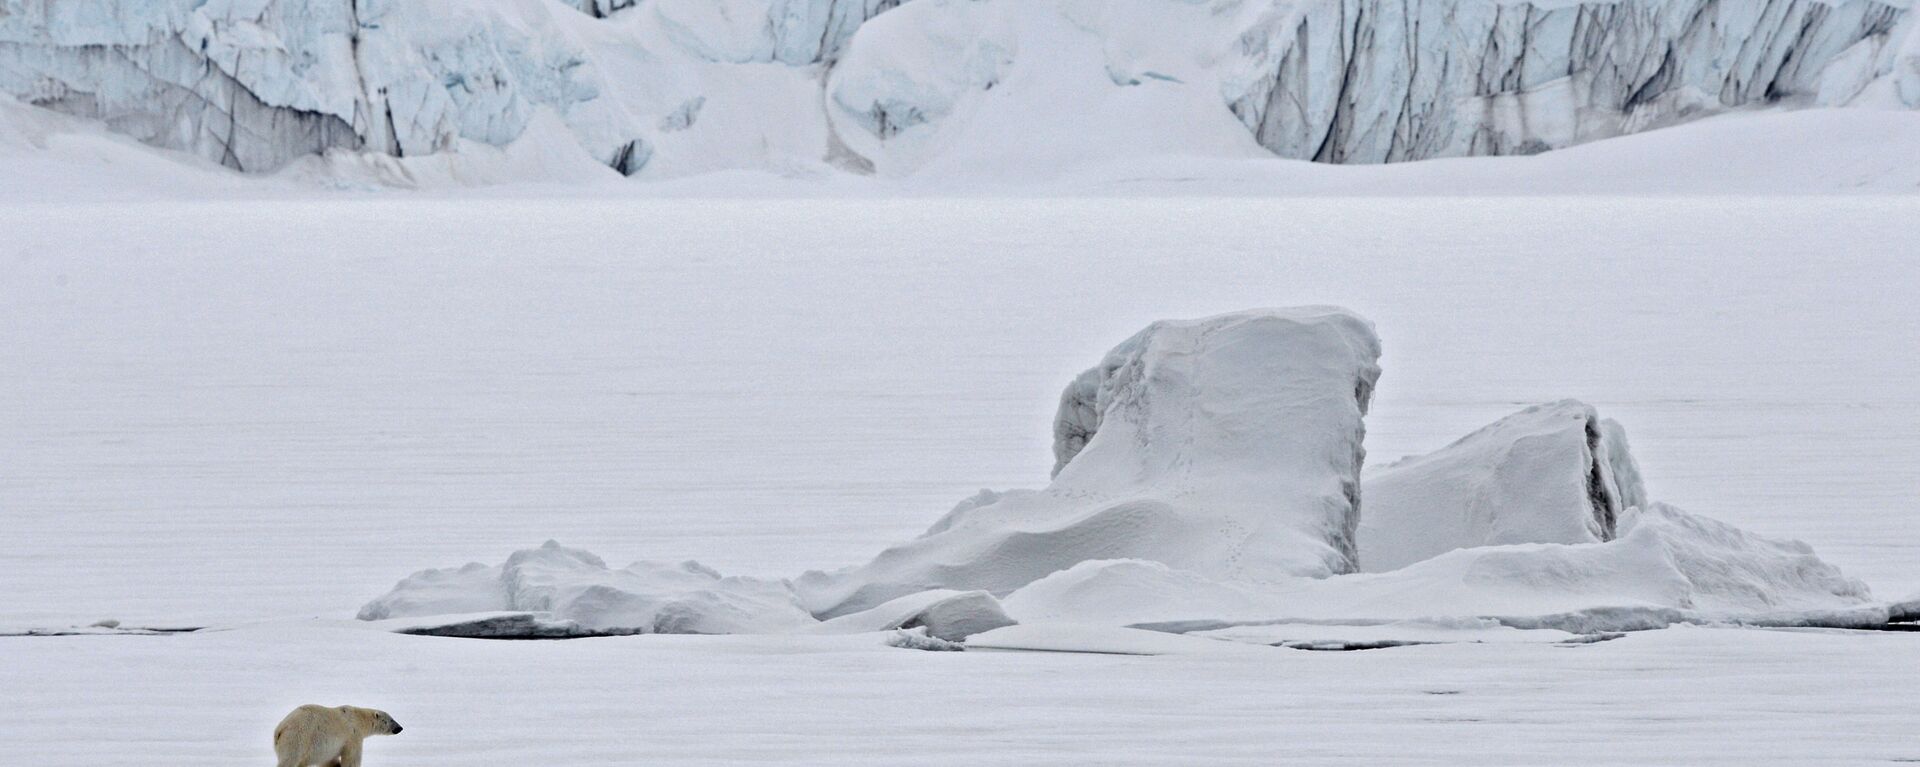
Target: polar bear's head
x=373, y=721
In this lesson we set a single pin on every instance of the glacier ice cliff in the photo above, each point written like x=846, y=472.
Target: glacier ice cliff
x=671, y=87
x=254, y=84
x=1390, y=80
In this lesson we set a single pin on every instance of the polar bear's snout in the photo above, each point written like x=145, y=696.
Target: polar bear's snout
x=397, y=728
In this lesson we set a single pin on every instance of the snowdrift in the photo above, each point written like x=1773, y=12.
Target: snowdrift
x=1208, y=480
x=1666, y=567
x=575, y=586
x=555, y=591
x=998, y=87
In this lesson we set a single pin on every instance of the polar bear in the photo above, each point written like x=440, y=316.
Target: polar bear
x=318, y=736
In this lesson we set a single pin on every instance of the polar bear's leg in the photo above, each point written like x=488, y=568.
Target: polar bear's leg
x=349, y=754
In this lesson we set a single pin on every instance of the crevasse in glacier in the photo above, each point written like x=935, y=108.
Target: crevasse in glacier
x=1378, y=81
x=254, y=84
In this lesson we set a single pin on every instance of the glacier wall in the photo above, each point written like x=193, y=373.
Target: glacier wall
x=677, y=87
x=254, y=84
x=1391, y=80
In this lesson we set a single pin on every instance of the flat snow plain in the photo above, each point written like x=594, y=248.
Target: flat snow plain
x=227, y=411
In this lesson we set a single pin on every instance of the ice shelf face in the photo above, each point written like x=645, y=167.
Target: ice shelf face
x=1230, y=446
x=1554, y=473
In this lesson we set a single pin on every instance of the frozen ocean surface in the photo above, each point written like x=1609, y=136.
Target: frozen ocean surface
x=223, y=411
x=1680, y=696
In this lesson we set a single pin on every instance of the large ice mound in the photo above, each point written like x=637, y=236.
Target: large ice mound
x=1208, y=478
x=1554, y=473
x=1229, y=446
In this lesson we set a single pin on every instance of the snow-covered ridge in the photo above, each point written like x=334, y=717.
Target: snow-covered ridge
x=673, y=87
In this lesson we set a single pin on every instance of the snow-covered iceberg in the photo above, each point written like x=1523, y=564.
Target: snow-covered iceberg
x=1229, y=446
x=1554, y=473
x=1208, y=476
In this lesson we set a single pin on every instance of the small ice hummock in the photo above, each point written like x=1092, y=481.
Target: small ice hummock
x=574, y=586
x=1553, y=473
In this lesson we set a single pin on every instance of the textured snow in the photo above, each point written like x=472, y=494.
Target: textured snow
x=1667, y=567
x=989, y=87
x=557, y=591
x=1553, y=473
x=941, y=613
x=1229, y=445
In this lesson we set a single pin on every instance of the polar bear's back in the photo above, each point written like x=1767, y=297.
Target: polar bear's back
x=312, y=735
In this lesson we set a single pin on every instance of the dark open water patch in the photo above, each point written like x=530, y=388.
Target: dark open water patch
x=98, y=632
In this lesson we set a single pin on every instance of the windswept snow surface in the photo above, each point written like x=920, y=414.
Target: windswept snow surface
x=1695, y=696
x=1667, y=567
